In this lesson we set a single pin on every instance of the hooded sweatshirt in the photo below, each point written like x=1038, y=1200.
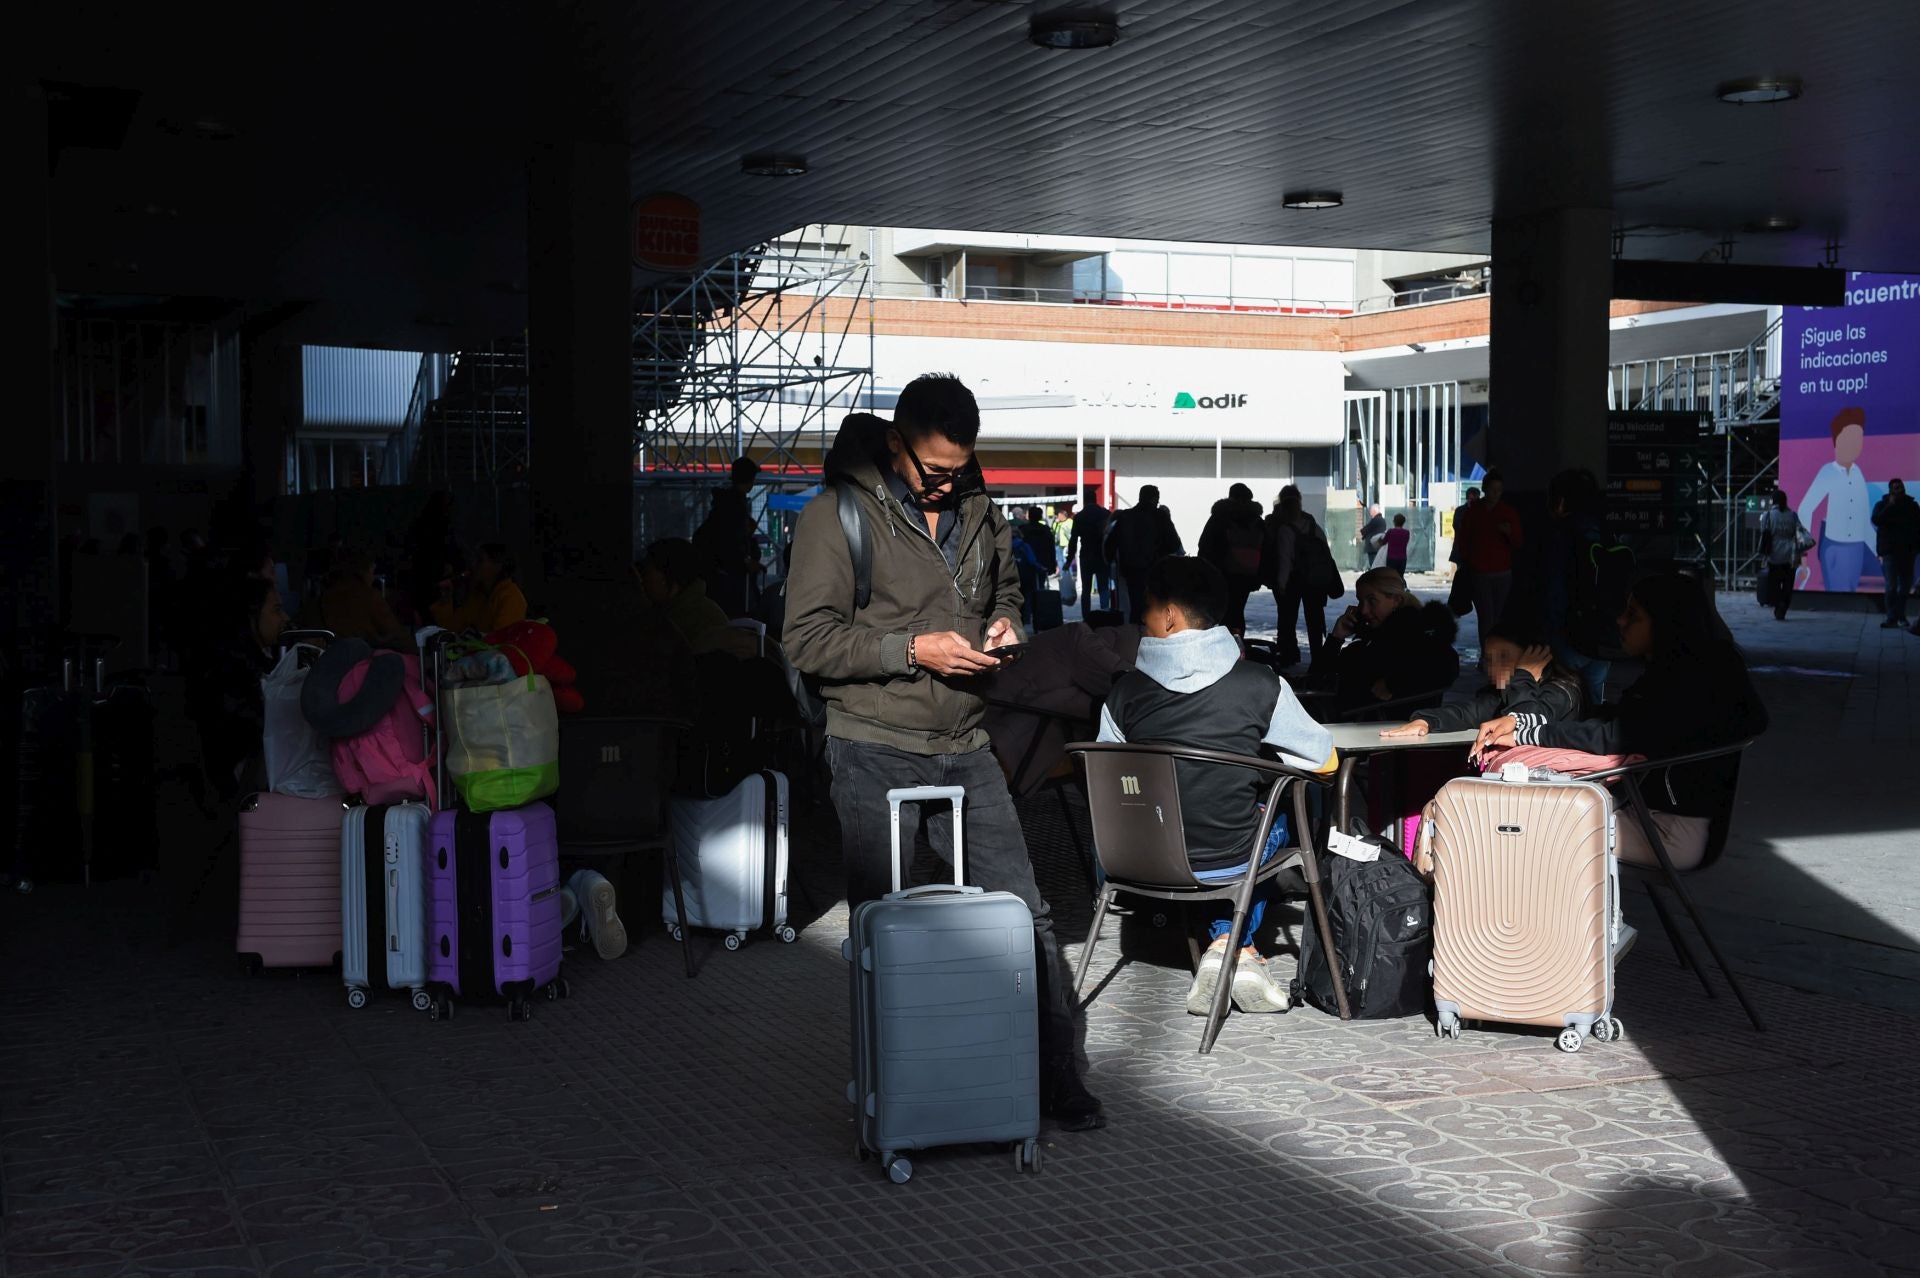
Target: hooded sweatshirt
x=1191, y=689
x=859, y=655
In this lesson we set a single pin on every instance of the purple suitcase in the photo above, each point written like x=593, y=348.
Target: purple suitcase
x=493, y=908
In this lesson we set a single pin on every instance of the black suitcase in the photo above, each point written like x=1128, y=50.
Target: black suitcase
x=1046, y=610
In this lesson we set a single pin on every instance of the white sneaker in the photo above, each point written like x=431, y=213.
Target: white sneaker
x=1254, y=989
x=1200, y=994
x=604, y=928
x=569, y=906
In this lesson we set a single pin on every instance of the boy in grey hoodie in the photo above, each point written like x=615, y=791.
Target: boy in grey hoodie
x=1190, y=688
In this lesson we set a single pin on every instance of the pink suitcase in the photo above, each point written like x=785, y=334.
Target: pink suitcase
x=289, y=882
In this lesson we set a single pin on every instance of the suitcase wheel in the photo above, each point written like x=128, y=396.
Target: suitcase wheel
x=787, y=934
x=520, y=1009
x=356, y=998
x=250, y=965
x=1026, y=1156
x=899, y=1170
x=1570, y=1040
x=422, y=1001
x=441, y=1009
x=677, y=933
x=1449, y=1026
x=1606, y=1030
x=558, y=989
x=733, y=941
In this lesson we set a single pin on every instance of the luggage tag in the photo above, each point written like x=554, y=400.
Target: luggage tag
x=1340, y=843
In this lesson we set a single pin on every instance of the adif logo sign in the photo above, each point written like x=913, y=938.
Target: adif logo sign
x=1183, y=401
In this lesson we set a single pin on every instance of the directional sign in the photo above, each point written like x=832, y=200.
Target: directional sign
x=1656, y=485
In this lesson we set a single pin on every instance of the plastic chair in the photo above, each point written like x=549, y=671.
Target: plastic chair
x=1717, y=833
x=1133, y=796
x=616, y=777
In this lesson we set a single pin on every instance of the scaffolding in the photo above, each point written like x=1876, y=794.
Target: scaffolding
x=1738, y=390
x=1400, y=442
x=757, y=355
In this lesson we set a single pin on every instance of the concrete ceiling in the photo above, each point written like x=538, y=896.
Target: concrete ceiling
x=373, y=185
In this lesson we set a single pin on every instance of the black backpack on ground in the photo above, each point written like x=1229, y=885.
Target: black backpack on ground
x=1381, y=913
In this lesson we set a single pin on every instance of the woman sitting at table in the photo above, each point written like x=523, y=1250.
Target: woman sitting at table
x=1523, y=678
x=1694, y=695
x=1387, y=646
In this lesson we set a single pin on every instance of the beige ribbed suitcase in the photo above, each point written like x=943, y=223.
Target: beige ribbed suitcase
x=1525, y=913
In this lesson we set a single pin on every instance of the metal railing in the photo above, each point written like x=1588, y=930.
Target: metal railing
x=1118, y=298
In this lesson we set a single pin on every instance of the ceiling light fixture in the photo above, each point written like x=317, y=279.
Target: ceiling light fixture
x=1754, y=90
x=1776, y=222
x=1312, y=200
x=1073, y=33
x=773, y=164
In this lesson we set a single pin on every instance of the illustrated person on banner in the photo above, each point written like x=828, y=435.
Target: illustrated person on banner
x=1846, y=541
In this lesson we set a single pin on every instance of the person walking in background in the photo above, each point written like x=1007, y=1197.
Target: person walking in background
x=1033, y=552
x=1493, y=534
x=1086, y=548
x=1397, y=539
x=1302, y=575
x=1843, y=486
x=1786, y=541
x=1136, y=539
x=1231, y=543
x=729, y=542
x=1896, y=522
x=1460, y=593
x=1373, y=535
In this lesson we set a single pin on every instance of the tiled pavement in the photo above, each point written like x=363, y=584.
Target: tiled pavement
x=160, y=1114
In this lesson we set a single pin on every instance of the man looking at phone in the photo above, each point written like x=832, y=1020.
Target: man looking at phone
x=896, y=672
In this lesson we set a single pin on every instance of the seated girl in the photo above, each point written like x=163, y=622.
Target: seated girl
x=1388, y=645
x=1523, y=678
x=1693, y=695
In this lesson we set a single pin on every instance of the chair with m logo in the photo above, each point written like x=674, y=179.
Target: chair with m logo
x=1133, y=796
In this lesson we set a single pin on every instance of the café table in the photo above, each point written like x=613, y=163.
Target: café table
x=1353, y=741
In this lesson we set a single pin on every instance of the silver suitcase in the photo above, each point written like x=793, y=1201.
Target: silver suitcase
x=946, y=1046
x=383, y=900
x=1526, y=907
x=732, y=853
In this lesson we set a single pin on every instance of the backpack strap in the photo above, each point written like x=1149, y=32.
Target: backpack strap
x=853, y=523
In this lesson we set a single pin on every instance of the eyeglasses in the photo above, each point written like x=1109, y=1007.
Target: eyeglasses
x=932, y=477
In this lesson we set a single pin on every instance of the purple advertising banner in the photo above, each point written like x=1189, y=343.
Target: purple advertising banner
x=1849, y=421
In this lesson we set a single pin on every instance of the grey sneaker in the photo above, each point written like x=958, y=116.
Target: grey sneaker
x=1200, y=994
x=1254, y=989
x=569, y=906
x=604, y=928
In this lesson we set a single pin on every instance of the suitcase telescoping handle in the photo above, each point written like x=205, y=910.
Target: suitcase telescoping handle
x=929, y=794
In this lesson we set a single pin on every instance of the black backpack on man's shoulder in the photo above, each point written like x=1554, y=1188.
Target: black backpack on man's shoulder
x=1381, y=914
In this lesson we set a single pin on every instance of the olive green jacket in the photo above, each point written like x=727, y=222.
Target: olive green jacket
x=859, y=657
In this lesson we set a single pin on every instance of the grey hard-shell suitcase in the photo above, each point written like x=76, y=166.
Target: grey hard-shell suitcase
x=946, y=1042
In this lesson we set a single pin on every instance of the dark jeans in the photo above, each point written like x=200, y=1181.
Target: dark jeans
x=1780, y=579
x=996, y=855
x=1029, y=587
x=1292, y=605
x=1136, y=592
x=1236, y=618
x=1899, y=575
x=1092, y=575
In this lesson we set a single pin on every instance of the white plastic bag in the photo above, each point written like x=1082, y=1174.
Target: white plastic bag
x=299, y=760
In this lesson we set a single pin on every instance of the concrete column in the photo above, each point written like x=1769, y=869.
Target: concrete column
x=1552, y=279
x=29, y=566
x=580, y=354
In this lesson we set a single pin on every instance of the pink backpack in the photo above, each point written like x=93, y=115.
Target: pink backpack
x=388, y=763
